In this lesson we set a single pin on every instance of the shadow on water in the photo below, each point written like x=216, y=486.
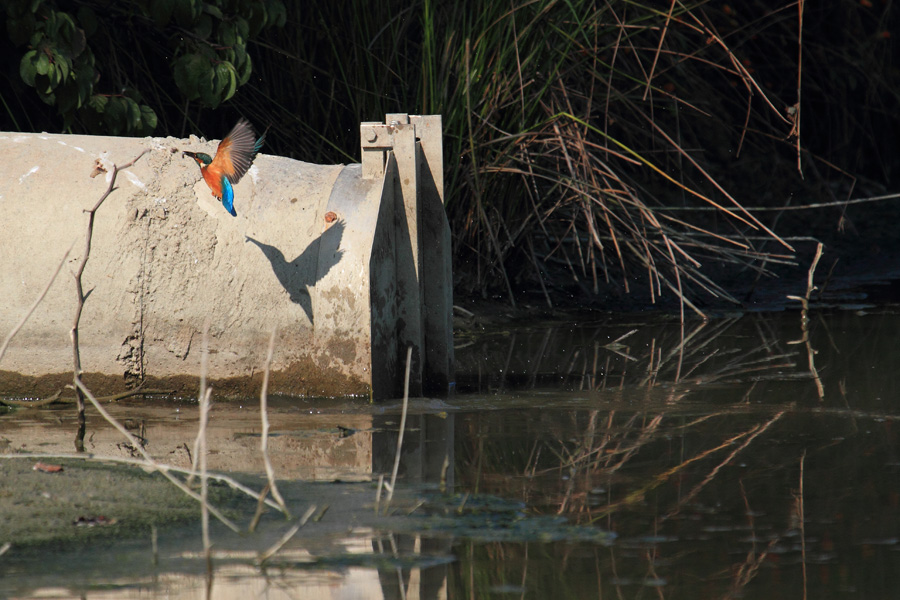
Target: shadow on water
x=745, y=457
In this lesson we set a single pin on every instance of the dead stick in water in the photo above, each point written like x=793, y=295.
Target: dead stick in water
x=201, y=430
x=204, y=480
x=287, y=536
x=801, y=516
x=390, y=493
x=264, y=438
x=76, y=351
x=804, y=300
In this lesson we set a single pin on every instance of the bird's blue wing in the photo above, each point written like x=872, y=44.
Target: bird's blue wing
x=228, y=196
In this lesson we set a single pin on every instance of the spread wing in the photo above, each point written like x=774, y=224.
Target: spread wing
x=236, y=152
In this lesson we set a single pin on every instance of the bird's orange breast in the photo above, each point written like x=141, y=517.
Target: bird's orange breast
x=213, y=180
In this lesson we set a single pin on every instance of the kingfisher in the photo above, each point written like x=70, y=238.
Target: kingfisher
x=233, y=158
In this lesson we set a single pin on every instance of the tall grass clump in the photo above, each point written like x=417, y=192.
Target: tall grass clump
x=580, y=136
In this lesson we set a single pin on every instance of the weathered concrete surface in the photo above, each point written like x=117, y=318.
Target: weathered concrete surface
x=167, y=259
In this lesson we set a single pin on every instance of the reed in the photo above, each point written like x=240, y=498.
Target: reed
x=571, y=132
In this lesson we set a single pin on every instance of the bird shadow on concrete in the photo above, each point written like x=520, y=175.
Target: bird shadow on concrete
x=302, y=273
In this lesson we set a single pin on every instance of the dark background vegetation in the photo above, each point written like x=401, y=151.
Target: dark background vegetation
x=596, y=152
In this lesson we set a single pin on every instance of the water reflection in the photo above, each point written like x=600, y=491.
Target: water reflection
x=735, y=458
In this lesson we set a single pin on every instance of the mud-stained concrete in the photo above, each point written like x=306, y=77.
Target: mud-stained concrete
x=167, y=261
x=302, y=379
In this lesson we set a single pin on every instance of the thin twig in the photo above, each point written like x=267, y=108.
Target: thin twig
x=79, y=289
x=37, y=301
x=204, y=481
x=264, y=438
x=801, y=517
x=390, y=493
x=287, y=536
x=201, y=430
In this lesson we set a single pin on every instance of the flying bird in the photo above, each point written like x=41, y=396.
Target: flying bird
x=233, y=158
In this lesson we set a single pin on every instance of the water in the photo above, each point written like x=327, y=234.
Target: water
x=751, y=456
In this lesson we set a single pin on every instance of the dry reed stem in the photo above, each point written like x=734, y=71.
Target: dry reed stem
x=264, y=437
x=662, y=38
x=148, y=461
x=753, y=434
x=154, y=544
x=378, y=492
x=390, y=489
x=204, y=481
x=260, y=508
x=801, y=513
x=287, y=536
x=34, y=305
x=795, y=129
x=804, y=323
x=201, y=429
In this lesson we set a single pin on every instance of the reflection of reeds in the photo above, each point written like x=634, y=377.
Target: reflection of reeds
x=581, y=358
x=148, y=461
x=666, y=437
x=396, y=469
x=264, y=437
x=667, y=366
x=202, y=453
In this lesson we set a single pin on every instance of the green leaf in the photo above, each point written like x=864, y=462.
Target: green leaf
x=63, y=65
x=148, y=118
x=243, y=28
x=213, y=10
x=115, y=115
x=206, y=87
x=98, y=103
x=54, y=76
x=132, y=115
x=243, y=65
x=227, y=34
x=227, y=80
x=27, y=68
x=42, y=63
x=188, y=71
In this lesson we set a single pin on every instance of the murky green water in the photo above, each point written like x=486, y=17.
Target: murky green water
x=743, y=457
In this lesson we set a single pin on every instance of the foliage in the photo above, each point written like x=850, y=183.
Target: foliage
x=200, y=45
